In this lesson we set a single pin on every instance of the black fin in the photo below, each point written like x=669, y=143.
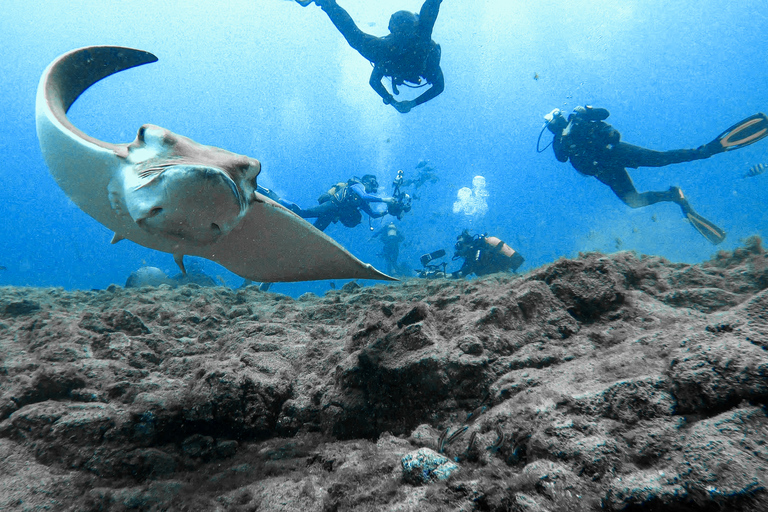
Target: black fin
x=708, y=230
x=744, y=133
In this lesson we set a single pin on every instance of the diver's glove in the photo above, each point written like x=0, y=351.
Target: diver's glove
x=403, y=106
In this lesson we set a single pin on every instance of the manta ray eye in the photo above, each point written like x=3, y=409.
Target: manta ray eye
x=154, y=212
x=215, y=228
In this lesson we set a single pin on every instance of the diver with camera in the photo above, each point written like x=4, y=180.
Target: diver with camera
x=345, y=200
x=402, y=203
x=482, y=255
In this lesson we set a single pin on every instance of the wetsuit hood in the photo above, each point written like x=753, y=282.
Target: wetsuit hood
x=403, y=23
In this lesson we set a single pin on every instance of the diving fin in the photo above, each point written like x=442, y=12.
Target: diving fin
x=743, y=133
x=708, y=230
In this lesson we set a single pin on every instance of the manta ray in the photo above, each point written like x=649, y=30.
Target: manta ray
x=172, y=194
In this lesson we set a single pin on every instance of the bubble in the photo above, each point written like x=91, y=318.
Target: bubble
x=472, y=201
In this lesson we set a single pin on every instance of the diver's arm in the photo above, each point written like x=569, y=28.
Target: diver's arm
x=560, y=149
x=359, y=190
x=438, y=86
x=366, y=207
x=428, y=15
x=375, y=81
x=464, y=271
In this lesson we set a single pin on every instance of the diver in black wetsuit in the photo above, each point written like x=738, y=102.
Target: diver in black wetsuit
x=484, y=255
x=595, y=149
x=407, y=55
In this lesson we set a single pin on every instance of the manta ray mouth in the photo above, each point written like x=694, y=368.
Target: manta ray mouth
x=202, y=173
x=186, y=201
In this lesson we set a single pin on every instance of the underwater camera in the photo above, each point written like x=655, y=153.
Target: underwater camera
x=402, y=206
x=432, y=271
x=403, y=200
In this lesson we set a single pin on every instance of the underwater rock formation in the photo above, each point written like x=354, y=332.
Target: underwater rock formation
x=602, y=382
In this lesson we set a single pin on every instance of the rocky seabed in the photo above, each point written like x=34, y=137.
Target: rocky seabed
x=598, y=383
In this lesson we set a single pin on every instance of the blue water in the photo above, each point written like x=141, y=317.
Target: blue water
x=277, y=82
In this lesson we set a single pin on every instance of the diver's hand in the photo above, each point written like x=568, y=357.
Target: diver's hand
x=403, y=106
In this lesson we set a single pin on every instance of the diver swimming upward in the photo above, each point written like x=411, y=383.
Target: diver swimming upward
x=408, y=55
x=595, y=149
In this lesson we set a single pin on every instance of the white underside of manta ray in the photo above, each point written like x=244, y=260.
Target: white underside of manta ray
x=169, y=193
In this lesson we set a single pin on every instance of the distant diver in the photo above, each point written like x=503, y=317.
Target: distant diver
x=484, y=255
x=595, y=149
x=407, y=55
x=425, y=173
x=390, y=238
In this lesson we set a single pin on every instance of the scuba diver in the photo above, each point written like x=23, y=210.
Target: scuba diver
x=595, y=149
x=484, y=255
x=344, y=201
x=407, y=55
x=391, y=238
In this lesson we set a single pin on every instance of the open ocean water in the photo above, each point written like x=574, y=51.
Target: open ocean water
x=277, y=82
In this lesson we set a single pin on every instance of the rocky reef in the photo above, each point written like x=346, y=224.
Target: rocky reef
x=598, y=383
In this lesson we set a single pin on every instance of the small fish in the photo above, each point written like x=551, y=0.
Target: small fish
x=3, y=268
x=441, y=441
x=535, y=76
x=455, y=435
x=756, y=170
x=472, y=440
x=471, y=417
x=332, y=285
x=501, y=437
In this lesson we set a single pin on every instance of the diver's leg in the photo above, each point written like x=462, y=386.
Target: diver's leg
x=323, y=221
x=628, y=155
x=621, y=184
x=367, y=45
x=317, y=211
